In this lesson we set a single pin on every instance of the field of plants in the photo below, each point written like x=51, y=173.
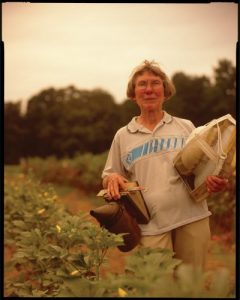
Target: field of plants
x=54, y=248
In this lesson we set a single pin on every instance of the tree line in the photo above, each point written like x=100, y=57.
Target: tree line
x=68, y=121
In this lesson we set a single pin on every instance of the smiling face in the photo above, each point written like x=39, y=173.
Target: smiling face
x=149, y=91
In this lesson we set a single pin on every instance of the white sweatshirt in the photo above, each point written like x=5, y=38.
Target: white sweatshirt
x=146, y=156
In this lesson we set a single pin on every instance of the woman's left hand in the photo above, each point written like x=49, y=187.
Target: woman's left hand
x=216, y=184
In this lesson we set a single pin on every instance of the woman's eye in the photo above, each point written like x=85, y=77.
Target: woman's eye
x=157, y=82
x=142, y=83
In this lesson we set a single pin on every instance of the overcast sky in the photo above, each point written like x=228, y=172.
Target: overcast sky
x=97, y=45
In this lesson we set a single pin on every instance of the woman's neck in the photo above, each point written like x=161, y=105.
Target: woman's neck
x=150, y=119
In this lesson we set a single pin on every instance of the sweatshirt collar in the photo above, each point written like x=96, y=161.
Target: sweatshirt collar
x=133, y=126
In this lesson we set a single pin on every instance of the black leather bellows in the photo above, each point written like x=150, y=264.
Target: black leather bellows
x=115, y=218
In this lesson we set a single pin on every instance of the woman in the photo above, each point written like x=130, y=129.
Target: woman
x=143, y=150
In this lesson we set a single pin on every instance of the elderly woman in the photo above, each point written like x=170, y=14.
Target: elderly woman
x=143, y=151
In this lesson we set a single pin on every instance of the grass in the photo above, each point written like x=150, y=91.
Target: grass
x=62, y=190
x=96, y=201
x=224, y=256
x=12, y=170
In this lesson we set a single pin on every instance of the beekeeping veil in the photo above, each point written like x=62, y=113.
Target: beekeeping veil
x=209, y=150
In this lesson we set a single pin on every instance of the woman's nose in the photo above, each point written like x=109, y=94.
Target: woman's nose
x=149, y=88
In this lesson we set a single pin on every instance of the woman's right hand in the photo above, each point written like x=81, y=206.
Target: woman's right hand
x=114, y=182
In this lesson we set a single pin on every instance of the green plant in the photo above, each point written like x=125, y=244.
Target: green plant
x=61, y=255
x=52, y=246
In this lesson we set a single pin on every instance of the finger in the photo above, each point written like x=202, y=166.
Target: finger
x=123, y=183
x=216, y=187
x=213, y=185
x=116, y=190
x=217, y=179
x=213, y=190
x=113, y=190
x=107, y=197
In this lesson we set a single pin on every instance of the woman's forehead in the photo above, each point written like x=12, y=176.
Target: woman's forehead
x=148, y=74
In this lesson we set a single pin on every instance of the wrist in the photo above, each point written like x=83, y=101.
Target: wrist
x=105, y=181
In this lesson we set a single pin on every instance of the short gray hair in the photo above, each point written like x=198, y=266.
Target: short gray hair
x=153, y=67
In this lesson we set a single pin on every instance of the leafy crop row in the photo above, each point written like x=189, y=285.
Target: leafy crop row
x=61, y=255
x=51, y=245
x=83, y=171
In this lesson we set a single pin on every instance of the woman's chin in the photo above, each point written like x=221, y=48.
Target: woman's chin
x=151, y=106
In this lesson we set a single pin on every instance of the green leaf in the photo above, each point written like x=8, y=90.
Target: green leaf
x=220, y=285
x=19, y=224
x=38, y=293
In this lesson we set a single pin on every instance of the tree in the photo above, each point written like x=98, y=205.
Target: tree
x=14, y=133
x=66, y=121
x=44, y=111
x=191, y=99
x=200, y=100
x=128, y=109
x=224, y=89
